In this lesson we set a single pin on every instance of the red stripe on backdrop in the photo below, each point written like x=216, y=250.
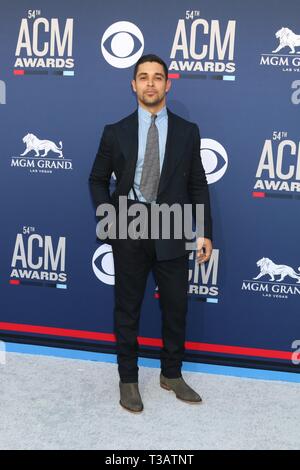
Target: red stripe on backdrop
x=191, y=346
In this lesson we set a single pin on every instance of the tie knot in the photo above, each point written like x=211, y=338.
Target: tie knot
x=153, y=117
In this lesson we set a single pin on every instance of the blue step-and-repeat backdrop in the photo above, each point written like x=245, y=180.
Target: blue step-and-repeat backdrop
x=65, y=72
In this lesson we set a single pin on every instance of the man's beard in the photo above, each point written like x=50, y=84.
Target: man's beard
x=145, y=100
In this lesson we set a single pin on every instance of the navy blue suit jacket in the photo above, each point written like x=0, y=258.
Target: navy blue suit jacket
x=182, y=178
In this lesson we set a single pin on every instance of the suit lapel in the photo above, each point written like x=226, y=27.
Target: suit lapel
x=129, y=144
x=172, y=156
x=130, y=136
x=130, y=150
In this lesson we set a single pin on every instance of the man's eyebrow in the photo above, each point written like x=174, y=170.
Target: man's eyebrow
x=145, y=73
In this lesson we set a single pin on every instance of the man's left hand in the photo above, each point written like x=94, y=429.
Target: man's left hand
x=204, y=249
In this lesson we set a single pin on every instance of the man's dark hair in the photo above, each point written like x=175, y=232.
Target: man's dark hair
x=150, y=58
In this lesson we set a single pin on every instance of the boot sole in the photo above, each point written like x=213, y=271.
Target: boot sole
x=130, y=410
x=165, y=387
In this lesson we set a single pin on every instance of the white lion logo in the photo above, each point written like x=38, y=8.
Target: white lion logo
x=267, y=266
x=287, y=39
x=33, y=143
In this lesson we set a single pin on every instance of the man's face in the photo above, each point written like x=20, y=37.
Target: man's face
x=150, y=84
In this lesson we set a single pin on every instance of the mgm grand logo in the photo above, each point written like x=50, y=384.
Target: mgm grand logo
x=286, y=55
x=41, y=156
x=278, y=280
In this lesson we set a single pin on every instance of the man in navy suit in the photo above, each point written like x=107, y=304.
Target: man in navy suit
x=155, y=156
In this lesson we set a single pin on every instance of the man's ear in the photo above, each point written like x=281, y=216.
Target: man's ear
x=133, y=85
x=168, y=85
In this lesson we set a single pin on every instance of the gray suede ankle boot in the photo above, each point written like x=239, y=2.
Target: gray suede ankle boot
x=181, y=389
x=130, y=397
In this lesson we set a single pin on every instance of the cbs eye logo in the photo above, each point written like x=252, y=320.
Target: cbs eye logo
x=214, y=158
x=119, y=49
x=103, y=264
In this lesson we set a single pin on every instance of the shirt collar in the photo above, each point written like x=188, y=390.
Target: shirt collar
x=146, y=115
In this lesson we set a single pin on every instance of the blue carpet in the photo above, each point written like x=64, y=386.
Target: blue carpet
x=154, y=363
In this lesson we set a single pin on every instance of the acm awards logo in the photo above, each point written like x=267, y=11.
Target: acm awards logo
x=44, y=44
x=119, y=42
x=41, y=156
x=199, y=46
x=38, y=260
x=279, y=280
x=288, y=44
x=278, y=169
x=2, y=92
x=203, y=280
